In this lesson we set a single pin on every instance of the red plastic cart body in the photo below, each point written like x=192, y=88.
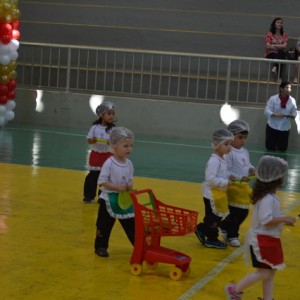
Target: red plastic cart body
x=154, y=219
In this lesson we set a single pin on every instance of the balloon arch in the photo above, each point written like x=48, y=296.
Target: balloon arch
x=9, y=44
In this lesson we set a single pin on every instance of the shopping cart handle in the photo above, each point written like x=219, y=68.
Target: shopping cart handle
x=145, y=191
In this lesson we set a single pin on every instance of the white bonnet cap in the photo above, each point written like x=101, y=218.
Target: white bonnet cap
x=103, y=107
x=118, y=134
x=238, y=126
x=221, y=136
x=271, y=168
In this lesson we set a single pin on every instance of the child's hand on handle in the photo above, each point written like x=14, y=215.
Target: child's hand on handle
x=130, y=186
x=122, y=187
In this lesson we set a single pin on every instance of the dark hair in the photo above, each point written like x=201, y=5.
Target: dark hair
x=283, y=84
x=261, y=189
x=108, y=127
x=273, y=27
x=244, y=132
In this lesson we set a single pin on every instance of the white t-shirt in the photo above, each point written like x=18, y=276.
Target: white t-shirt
x=216, y=175
x=263, y=212
x=98, y=131
x=116, y=173
x=238, y=162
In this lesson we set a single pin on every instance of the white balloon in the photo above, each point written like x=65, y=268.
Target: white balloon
x=9, y=115
x=2, y=110
x=2, y=121
x=14, y=45
x=13, y=55
x=4, y=59
x=4, y=49
x=10, y=105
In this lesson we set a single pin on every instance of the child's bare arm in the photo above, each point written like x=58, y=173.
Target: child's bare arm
x=287, y=220
x=115, y=187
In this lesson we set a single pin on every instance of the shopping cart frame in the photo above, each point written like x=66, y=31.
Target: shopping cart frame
x=154, y=219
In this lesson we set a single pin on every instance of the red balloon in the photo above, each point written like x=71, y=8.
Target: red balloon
x=6, y=29
x=5, y=39
x=11, y=85
x=15, y=24
x=3, y=99
x=11, y=95
x=3, y=89
x=15, y=34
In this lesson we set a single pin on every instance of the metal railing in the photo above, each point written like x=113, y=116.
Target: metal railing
x=178, y=76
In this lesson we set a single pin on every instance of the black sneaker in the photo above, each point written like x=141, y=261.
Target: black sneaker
x=215, y=244
x=87, y=200
x=200, y=236
x=102, y=252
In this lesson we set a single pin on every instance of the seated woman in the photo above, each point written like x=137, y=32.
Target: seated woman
x=276, y=43
x=296, y=74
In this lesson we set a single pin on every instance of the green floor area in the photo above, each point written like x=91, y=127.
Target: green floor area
x=153, y=157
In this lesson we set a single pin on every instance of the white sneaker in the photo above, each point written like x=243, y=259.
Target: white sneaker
x=234, y=242
x=223, y=234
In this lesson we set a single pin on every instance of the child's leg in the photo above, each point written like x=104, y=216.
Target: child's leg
x=90, y=185
x=231, y=224
x=128, y=226
x=104, y=225
x=268, y=284
x=264, y=275
x=243, y=215
x=210, y=224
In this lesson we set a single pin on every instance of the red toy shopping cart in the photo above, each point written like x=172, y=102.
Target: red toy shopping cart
x=154, y=219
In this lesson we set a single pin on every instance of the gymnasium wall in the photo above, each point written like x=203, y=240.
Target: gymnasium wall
x=182, y=120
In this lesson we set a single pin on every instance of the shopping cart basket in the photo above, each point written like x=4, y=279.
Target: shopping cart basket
x=154, y=219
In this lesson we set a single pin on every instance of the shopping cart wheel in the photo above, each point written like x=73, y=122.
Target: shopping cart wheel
x=151, y=265
x=175, y=273
x=135, y=269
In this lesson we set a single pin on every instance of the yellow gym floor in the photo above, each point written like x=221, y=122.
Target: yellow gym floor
x=47, y=235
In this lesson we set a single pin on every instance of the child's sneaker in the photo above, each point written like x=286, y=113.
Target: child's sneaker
x=87, y=200
x=200, y=236
x=215, y=244
x=231, y=294
x=102, y=252
x=234, y=242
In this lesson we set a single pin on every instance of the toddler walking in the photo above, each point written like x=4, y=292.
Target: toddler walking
x=264, y=234
x=214, y=191
x=97, y=137
x=240, y=169
x=116, y=176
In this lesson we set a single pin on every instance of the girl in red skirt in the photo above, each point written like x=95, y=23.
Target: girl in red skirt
x=264, y=234
x=100, y=150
